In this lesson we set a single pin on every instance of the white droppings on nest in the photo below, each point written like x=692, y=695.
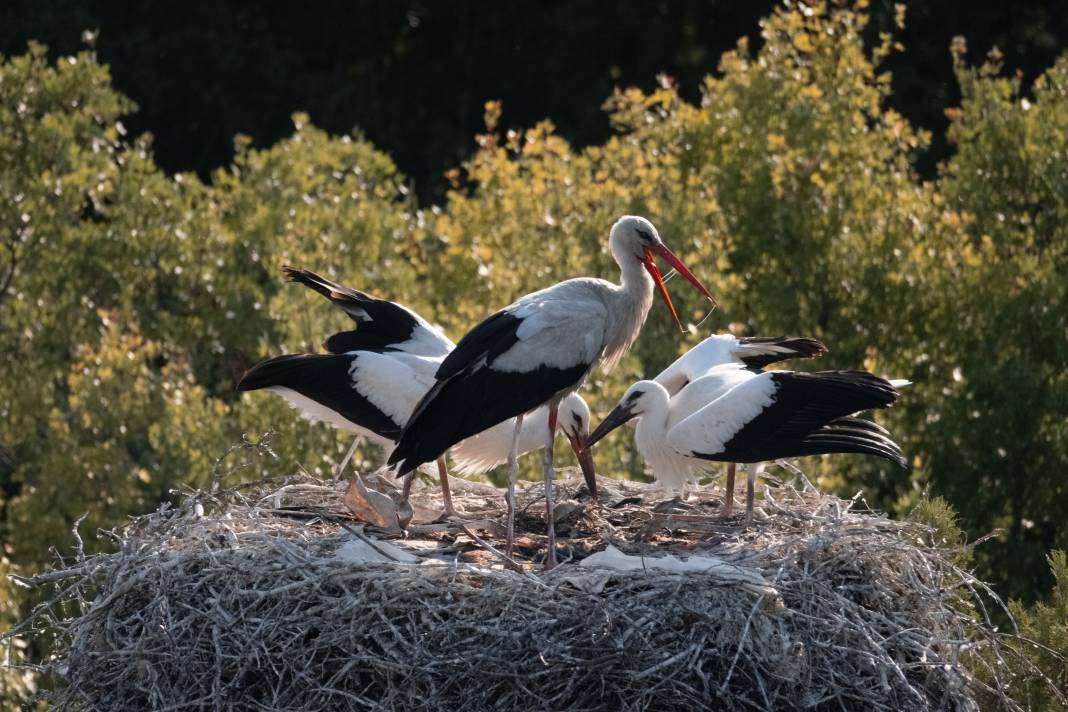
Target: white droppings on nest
x=360, y=551
x=726, y=573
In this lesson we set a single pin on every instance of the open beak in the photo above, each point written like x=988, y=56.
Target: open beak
x=619, y=415
x=671, y=259
x=650, y=267
x=585, y=461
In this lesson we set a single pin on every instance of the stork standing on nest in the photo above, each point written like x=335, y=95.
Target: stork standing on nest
x=535, y=352
x=371, y=379
x=755, y=352
x=732, y=414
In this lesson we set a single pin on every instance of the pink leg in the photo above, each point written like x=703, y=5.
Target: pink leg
x=446, y=494
x=548, y=472
x=513, y=475
x=731, y=469
x=753, y=471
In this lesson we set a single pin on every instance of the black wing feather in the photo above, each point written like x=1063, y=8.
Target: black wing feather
x=382, y=323
x=325, y=379
x=471, y=396
x=472, y=401
x=811, y=415
x=799, y=347
x=489, y=339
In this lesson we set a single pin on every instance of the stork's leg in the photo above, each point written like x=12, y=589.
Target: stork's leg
x=752, y=472
x=406, y=491
x=548, y=472
x=446, y=494
x=729, y=496
x=513, y=476
x=348, y=456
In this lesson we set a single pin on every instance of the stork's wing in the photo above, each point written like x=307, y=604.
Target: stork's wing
x=783, y=414
x=490, y=338
x=325, y=382
x=384, y=325
x=755, y=352
x=704, y=390
x=511, y=363
x=760, y=351
x=713, y=351
x=543, y=329
x=393, y=382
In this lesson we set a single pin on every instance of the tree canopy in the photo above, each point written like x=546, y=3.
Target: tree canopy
x=131, y=299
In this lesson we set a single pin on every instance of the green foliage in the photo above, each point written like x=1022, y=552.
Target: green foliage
x=1003, y=318
x=131, y=301
x=1044, y=628
x=937, y=513
x=15, y=684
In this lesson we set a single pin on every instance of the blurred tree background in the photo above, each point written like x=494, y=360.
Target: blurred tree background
x=833, y=171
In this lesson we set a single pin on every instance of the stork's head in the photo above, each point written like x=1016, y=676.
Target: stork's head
x=638, y=399
x=635, y=238
x=574, y=423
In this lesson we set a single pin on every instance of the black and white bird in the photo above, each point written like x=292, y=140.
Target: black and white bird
x=484, y=451
x=755, y=352
x=732, y=414
x=372, y=378
x=535, y=352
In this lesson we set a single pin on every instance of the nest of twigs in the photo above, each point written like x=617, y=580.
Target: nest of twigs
x=272, y=596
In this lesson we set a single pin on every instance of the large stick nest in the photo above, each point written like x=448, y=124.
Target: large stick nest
x=273, y=596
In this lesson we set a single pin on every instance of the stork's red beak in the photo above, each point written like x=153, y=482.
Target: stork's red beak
x=671, y=259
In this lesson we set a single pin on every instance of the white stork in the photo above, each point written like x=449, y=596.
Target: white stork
x=536, y=351
x=754, y=352
x=374, y=376
x=732, y=414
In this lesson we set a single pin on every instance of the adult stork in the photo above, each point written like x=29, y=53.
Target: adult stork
x=732, y=414
x=372, y=378
x=536, y=351
x=755, y=352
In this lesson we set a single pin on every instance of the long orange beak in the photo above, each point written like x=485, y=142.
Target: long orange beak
x=675, y=262
x=671, y=259
x=651, y=268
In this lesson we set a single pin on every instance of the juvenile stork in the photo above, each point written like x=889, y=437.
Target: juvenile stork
x=755, y=352
x=372, y=378
x=732, y=414
x=536, y=351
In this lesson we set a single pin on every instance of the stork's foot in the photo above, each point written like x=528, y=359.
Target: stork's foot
x=550, y=559
x=451, y=515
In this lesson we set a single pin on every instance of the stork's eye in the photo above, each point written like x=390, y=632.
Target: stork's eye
x=645, y=235
x=634, y=396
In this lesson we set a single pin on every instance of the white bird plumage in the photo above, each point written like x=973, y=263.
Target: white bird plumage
x=733, y=414
x=720, y=349
x=535, y=352
x=395, y=382
x=374, y=376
